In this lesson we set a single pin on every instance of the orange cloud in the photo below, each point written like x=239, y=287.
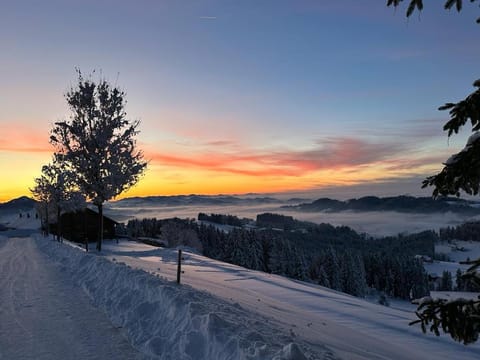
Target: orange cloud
x=328, y=154
x=20, y=138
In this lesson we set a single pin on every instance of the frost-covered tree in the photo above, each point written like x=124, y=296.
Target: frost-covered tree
x=459, y=281
x=98, y=142
x=446, y=282
x=175, y=233
x=56, y=189
x=352, y=274
x=299, y=268
x=332, y=268
x=254, y=252
x=41, y=193
x=323, y=277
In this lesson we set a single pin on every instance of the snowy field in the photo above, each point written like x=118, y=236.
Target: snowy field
x=310, y=314
x=220, y=311
x=470, y=250
x=224, y=311
x=169, y=321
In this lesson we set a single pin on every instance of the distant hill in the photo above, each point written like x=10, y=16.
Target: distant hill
x=21, y=203
x=187, y=200
x=403, y=203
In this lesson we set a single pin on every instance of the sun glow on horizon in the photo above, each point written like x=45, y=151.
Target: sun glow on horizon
x=315, y=97
x=169, y=180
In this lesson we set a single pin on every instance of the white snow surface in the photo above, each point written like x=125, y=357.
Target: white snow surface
x=473, y=138
x=470, y=250
x=169, y=321
x=44, y=315
x=222, y=311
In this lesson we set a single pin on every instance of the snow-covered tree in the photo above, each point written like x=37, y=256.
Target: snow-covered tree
x=298, y=268
x=323, y=277
x=332, y=268
x=98, y=142
x=177, y=234
x=56, y=189
x=459, y=281
x=352, y=274
x=41, y=193
x=254, y=252
x=446, y=283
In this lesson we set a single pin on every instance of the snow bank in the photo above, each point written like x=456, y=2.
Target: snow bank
x=168, y=321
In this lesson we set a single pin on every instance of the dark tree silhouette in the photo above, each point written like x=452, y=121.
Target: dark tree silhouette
x=461, y=172
x=415, y=5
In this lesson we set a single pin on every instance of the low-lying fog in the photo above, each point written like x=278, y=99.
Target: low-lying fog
x=373, y=223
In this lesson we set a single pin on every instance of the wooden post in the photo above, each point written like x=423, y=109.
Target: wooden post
x=179, y=265
x=85, y=233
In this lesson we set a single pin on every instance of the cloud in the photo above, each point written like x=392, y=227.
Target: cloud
x=18, y=138
x=208, y=17
x=414, y=163
x=326, y=154
x=221, y=143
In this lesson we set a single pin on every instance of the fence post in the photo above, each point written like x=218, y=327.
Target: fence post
x=179, y=265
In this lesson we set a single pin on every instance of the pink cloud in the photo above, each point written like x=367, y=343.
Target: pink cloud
x=19, y=138
x=328, y=154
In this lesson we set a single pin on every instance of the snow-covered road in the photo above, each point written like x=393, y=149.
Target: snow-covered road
x=43, y=315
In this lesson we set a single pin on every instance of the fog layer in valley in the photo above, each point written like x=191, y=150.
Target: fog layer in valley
x=373, y=223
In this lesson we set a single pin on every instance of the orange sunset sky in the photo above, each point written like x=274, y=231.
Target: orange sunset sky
x=241, y=97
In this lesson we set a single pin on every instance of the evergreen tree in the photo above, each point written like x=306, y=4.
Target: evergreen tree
x=446, y=283
x=299, y=270
x=332, y=269
x=266, y=250
x=359, y=268
x=323, y=277
x=238, y=244
x=459, y=281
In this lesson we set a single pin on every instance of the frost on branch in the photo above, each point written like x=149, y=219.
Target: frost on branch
x=462, y=170
x=98, y=143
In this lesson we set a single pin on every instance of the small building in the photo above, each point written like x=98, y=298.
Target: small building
x=82, y=225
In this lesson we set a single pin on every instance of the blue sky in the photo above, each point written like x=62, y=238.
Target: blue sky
x=244, y=95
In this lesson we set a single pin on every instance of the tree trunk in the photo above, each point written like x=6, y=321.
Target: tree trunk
x=59, y=225
x=100, y=227
x=85, y=233
x=47, y=229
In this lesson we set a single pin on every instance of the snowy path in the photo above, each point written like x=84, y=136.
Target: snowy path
x=44, y=316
